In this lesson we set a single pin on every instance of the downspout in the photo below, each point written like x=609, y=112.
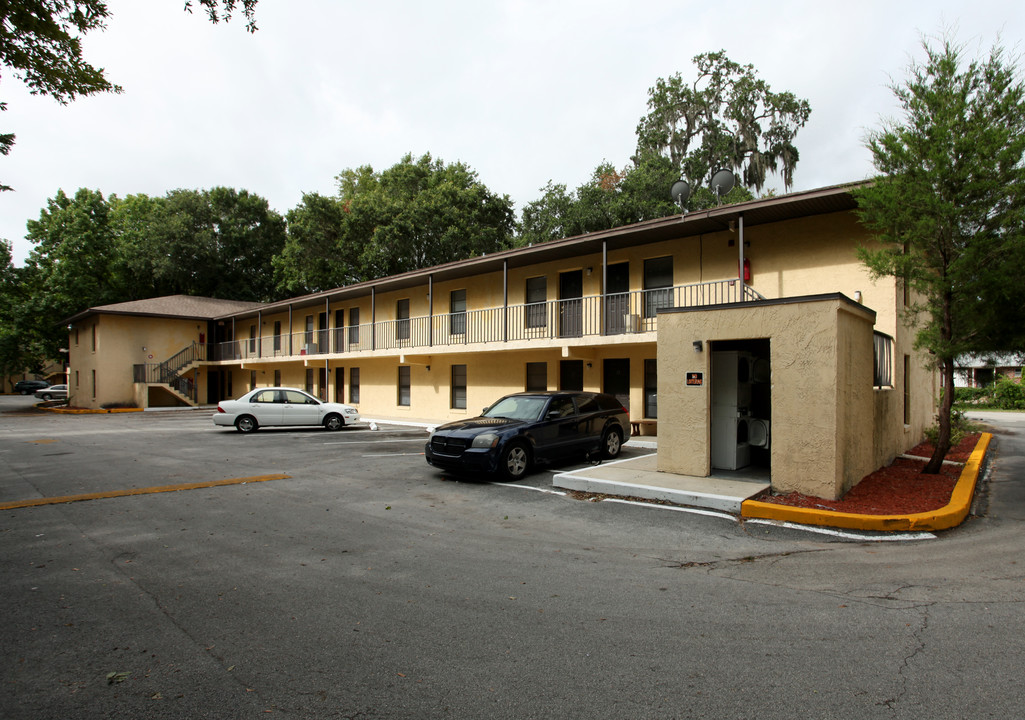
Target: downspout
x=373, y=317
x=430, y=310
x=236, y=351
x=259, y=333
x=290, y=329
x=740, y=245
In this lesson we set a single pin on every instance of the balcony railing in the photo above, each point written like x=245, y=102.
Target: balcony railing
x=595, y=315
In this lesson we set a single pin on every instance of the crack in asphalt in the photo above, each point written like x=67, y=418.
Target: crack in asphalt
x=919, y=647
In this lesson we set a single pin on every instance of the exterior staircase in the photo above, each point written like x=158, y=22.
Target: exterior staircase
x=169, y=373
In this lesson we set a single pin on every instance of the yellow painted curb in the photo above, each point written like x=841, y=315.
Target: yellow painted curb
x=86, y=411
x=951, y=515
x=138, y=491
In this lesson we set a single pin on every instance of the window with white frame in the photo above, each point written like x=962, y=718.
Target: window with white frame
x=882, y=360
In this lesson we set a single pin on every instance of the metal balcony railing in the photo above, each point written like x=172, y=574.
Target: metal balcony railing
x=594, y=315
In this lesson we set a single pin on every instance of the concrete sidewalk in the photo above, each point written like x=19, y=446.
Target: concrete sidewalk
x=639, y=477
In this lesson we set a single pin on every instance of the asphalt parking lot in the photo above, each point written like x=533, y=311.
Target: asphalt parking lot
x=363, y=583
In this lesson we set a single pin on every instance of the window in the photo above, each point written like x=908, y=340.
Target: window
x=252, y=379
x=252, y=339
x=94, y=375
x=658, y=283
x=402, y=319
x=537, y=376
x=907, y=389
x=404, y=385
x=309, y=380
x=459, y=387
x=882, y=360
x=536, y=297
x=94, y=338
x=76, y=379
x=651, y=388
x=277, y=336
x=354, y=385
x=76, y=337
x=277, y=378
x=457, y=306
x=354, y=326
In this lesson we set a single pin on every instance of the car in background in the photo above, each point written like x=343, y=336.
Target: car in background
x=53, y=392
x=525, y=429
x=27, y=387
x=282, y=406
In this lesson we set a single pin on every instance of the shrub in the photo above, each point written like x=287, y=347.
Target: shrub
x=959, y=427
x=1009, y=395
x=971, y=395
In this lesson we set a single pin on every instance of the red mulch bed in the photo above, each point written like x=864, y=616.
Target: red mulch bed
x=899, y=489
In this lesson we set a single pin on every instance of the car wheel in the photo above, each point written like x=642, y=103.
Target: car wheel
x=334, y=422
x=246, y=424
x=515, y=461
x=24, y=392
x=612, y=443
x=47, y=397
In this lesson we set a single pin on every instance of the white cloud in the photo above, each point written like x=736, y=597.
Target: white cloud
x=523, y=91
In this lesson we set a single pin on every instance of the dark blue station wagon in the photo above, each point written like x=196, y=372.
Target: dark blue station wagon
x=530, y=428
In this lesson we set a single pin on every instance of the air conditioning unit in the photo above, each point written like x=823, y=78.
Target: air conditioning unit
x=632, y=323
x=309, y=349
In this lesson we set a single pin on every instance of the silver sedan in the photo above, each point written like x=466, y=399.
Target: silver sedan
x=282, y=406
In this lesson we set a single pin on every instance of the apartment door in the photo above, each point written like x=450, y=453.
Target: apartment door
x=616, y=379
x=571, y=304
x=617, y=299
x=571, y=375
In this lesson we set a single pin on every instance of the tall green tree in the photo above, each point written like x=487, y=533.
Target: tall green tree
x=726, y=118
x=611, y=198
x=949, y=207
x=216, y=243
x=73, y=265
x=418, y=213
x=41, y=45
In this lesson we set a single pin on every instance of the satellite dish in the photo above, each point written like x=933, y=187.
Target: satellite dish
x=722, y=182
x=680, y=192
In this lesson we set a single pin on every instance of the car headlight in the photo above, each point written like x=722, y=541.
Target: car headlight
x=485, y=440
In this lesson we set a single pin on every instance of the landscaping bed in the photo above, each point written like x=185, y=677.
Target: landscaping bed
x=898, y=489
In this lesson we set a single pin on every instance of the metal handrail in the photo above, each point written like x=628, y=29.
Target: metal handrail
x=593, y=315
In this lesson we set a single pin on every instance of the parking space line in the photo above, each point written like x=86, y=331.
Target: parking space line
x=374, y=442
x=139, y=491
x=392, y=454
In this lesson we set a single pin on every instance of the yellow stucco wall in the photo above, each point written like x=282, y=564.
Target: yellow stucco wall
x=101, y=372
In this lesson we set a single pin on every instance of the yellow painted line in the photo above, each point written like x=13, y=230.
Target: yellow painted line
x=139, y=491
x=948, y=516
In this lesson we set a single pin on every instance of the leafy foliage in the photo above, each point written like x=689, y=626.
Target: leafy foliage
x=418, y=213
x=726, y=118
x=949, y=207
x=611, y=198
x=91, y=251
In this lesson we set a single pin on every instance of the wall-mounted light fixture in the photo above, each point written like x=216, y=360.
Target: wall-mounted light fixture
x=698, y=347
x=588, y=365
x=428, y=368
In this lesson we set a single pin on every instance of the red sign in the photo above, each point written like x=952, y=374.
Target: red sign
x=695, y=378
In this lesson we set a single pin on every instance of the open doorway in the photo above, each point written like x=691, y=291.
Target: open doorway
x=741, y=423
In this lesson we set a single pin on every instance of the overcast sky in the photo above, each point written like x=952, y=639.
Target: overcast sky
x=522, y=91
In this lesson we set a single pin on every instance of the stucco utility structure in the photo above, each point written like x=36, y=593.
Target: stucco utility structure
x=748, y=337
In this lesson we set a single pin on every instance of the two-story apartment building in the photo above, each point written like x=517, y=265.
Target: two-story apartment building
x=760, y=284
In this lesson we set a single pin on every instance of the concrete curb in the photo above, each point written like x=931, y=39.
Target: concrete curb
x=85, y=411
x=943, y=518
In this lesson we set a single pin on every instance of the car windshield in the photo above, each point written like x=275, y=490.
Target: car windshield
x=517, y=408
